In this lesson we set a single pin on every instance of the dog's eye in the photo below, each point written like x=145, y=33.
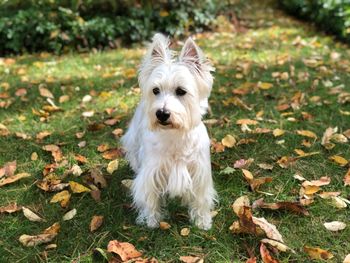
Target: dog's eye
x=180, y=91
x=156, y=91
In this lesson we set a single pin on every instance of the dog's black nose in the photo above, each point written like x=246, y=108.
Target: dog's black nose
x=162, y=115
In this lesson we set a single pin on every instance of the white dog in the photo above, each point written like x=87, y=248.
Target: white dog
x=167, y=143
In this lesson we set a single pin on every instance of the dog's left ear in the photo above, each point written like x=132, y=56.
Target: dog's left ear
x=192, y=56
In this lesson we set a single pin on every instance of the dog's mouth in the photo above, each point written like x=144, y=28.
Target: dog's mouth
x=164, y=123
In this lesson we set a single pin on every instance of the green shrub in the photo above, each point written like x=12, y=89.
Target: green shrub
x=333, y=16
x=53, y=25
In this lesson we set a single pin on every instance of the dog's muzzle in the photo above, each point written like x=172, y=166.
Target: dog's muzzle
x=162, y=116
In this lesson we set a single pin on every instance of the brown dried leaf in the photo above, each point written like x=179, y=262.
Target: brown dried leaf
x=185, y=232
x=14, y=178
x=80, y=158
x=347, y=178
x=10, y=208
x=278, y=245
x=112, y=154
x=191, y=259
x=51, y=185
x=103, y=147
x=246, y=122
x=95, y=223
x=31, y=241
x=269, y=229
x=164, y=225
x=98, y=178
x=9, y=169
x=294, y=207
x=112, y=166
x=125, y=250
x=45, y=92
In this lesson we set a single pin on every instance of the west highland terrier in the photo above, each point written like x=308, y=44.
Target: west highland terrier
x=167, y=143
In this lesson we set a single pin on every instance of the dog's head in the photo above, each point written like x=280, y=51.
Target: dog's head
x=175, y=92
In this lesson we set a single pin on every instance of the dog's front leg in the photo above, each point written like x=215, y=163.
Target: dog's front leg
x=201, y=200
x=146, y=198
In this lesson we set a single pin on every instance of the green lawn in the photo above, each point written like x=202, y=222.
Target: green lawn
x=307, y=75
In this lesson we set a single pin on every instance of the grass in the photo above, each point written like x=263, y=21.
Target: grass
x=109, y=78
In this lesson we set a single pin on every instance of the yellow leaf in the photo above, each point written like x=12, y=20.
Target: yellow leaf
x=317, y=253
x=112, y=166
x=163, y=13
x=185, y=232
x=13, y=178
x=78, y=188
x=228, y=141
x=265, y=85
x=62, y=197
x=339, y=160
x=278, y=132
x=248, y=175
x=307, y=133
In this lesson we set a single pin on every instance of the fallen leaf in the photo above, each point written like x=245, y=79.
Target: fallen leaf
x=307, y=133
x=10, y=208
x=112, y=154
x=265, y=255
x=294, y=207
x=43, y=134
x=31, y=216
x=95, y=223
x=164, y=225
x=347, y=178
x=278, y=245
x=80, y=158
x=76, y=170
x=118, y=132
x=69, y=215
x=251, y=260
x=34, y=156
x=246, y=122
x=185, y=232
x=51, y=185
x=335, y=226
x=8, y=169
x=46, y=236
x=269, y=229
x=347, y=259
x=44, y=92
x=14, y=178
x=317, y=253
x=265, y=166
x=103, y=147
x=125, y=250
x=286, y=161
x=112, y=166
x=78, y=188
x=338, y=202
x=229, y=141
x=62, y=197
x=339, y=160
x=243, y=164
x=264, y=85
x=31, y=241
x=4, y=130
x=191, y=259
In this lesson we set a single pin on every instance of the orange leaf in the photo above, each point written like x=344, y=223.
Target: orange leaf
x=307, y=133
x=12, y=179
x=347, y=178
x=265, y=255
x=95, y=223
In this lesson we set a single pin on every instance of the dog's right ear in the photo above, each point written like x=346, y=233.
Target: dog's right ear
x=157, y=53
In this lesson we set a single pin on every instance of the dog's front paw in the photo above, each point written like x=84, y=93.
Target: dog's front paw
x=202, y=221
x=151, y=221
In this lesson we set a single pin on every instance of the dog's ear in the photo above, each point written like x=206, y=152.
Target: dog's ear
x=192, y=56
x=158, y=53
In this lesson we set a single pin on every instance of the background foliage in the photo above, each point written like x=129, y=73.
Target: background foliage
x=333, y=16
x=54, y=25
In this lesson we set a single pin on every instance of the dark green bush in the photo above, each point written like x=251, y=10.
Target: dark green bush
x=55, y=25
x=333, y=16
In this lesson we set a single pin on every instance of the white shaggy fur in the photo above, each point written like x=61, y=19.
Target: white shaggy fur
x=174, y=158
